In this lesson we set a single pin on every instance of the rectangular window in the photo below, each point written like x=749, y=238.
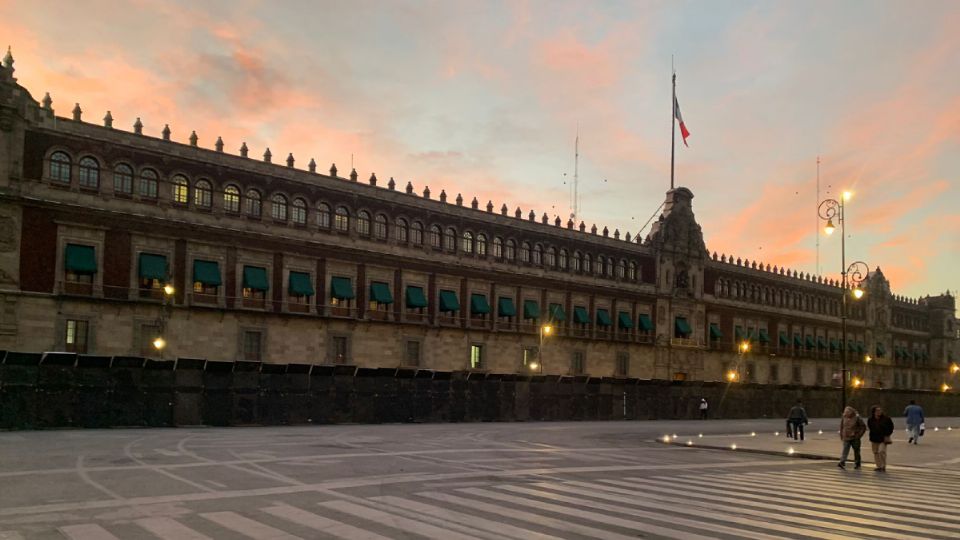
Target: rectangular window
x=75, y=338
x=797, y=375
x=80, y=265
x=252, y=343
x=476, y=356
x=529, y=361
x=300, y=289
x=578, y=363
x=339, y=349
x=412, y=353
x=623, y=364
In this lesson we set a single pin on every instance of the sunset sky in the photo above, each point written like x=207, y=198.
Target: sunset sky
x=484, y=99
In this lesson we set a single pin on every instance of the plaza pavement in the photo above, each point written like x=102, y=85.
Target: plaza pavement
x=607, y=480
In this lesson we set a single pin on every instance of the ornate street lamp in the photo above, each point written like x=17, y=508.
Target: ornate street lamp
x=852, y=276
x=537, y=365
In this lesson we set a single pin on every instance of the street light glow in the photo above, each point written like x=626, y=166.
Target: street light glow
x=168, y=289
x=954, y=368
x=159, y=343
x=732, y=376
x=945, y=387
x=829, y=228
x=857, y=382
x=745, y=346
x=868, y=358
x=857, y=293
x=847, y=195
x=534, y=366
x=547, y=329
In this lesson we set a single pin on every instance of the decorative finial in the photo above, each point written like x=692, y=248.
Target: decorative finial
x=503, y=209
x=426, y=192
x=47, y=101
x=108, y=120
x=490, y=206
x=459, y=199
x=391, y=184
x=532, y=216
x=312, y=166
x=409, y=188
x=475, y=204
x=268, y=155
x=333, y=170
x=138, y=127
x=219, y=144
x=616, y=234
x=606, y=231
x=570, y=223
x=166, y=132
x=593, y=230
x=583, y=226
x=193, y=138
x=443, y=195
x=627, y=238
x=8, y=59
x=373, y=179
x=556, y=221
x=290, y=160
x=244, y=150
x=77, y=111
x=545, y=219
x=353, y=175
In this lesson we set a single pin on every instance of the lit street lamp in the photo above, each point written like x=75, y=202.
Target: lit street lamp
x=852, y=275
x=537, y=365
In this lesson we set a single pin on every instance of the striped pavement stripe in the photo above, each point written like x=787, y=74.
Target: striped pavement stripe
x=170, y=529
x=320, y=523
x=247, y=527
x=86, y=531
x=869, y=480
x=398, y=522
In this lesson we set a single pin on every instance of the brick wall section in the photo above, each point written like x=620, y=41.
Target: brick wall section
x=38, y=250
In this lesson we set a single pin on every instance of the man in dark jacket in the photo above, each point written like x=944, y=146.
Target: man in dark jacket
x=881, y=430
x=797, y=419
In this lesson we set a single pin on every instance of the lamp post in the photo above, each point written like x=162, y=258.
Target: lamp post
x=545, y=330
x=852, y=275
x=159, y=343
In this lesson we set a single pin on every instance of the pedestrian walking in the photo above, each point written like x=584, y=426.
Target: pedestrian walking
x=704, y=406
x=852, y=429
x=914, y=414
x=796, y=420
x=881, y=435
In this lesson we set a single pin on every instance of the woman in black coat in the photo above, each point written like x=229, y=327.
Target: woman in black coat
x=881, y=429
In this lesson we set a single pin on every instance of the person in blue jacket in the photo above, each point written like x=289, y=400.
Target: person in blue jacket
x=914, y=414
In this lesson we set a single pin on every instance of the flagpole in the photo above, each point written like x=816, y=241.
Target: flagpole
x=673, y=127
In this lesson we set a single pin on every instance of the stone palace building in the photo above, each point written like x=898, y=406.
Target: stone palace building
x=273, y=263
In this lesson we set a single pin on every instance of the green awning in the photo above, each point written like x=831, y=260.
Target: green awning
x=531, y=309
x=738, y=333
x=624, y=321
x=797, y=341
x=505, y=307
x=300, y=284
x=415, y=297
x=860, y=348
x=715, y=332
x=821, y=343
x=897, y=351
x=908, y=354
x=380, y=292
x=682, y=326
x=881, y=350
x=153, y=266
x=255, y=277
x=556, y=313
x=580, y=315
x=206, y=272
x=751, y=335
x=834, y=345
x=645, y=323
x=603, y=318
x=764, y=336
x=448, y=301
x=479, y=304
x=851, y=346
x=784, y=340
x=809, y=342
x=341, y=288
x=80, y=259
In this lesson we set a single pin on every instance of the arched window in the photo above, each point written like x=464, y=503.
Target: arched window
x=467, y=244
x=149, y=183
x=231, y=200
x=599, y=266
x=254, y=205
x=363, y=223
x=621, y=269
x=181, y=189
x=435, y=235
x=299, y=213
x=525, y=252
x=564, y=262
x=123, y=179
x=416, y=233
x=401, y=232
x=60, y=167
x=537, y=254
x=203, y=194
x=497, y=247
x=380, y=227
x=587, y=264
x=511, y=250
x=323, y=215
x=482, y=245
x=450, y=239
x=610, y=267
x=341, y=220
x=89, y=173
x=550, y=259
x=577, y=261
x=278, y=207
x=632, y=271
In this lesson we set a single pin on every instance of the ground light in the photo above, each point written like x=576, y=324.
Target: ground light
x=666, y=438
x=945, y=387
x=733, y=447
x=790, y=451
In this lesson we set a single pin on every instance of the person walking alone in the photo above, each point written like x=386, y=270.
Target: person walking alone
x=796, y=420
x=852, y=429
x=914, y=414
x=881, y=431
x=704, y=406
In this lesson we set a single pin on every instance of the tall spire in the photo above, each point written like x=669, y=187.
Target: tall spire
x=8, y=59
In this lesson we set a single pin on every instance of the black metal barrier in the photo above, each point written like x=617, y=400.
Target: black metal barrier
x=69, y=390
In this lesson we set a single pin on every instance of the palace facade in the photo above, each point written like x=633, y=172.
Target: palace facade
x=274, y=263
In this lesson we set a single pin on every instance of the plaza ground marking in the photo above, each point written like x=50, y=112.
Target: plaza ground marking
x=320, y=523
x=520, y=515
x=397, y=522
x=247, y=527
x=87, y=531
x=170, y=529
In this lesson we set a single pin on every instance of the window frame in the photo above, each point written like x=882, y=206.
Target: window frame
x=253, y=204
x=85, y=172
x=60, y=170
x=203, y=194
x=124, y=181
x=279, y=207
x=231, y=199
x=180, y=190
